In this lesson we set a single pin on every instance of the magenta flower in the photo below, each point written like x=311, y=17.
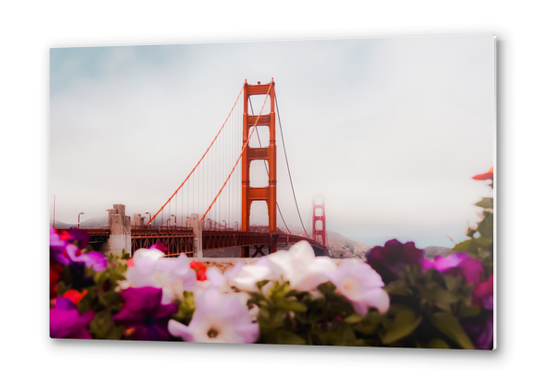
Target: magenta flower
x=143, y=315
x=457, y=264
x=483, y=294
x=64, y=251
x=57, y=247
x=160, y=246
x=390, y=259
x=92, y=259
x=65, y=321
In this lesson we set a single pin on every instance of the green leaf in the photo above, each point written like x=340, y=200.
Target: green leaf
x=125, y=255
x=327, y=288
x=261, y=284
x=187, y=307
x=485, y=227
x=439, y=296
x=398, y=288
x=405, y=322
x=103, y=327
x=353, y=318
x=486, y=203
x=450, y=326
x=469, y=311
x=294, y=306
x=438, y=343
x=286, y=337
x=463, y=246
x=369, y=324
x=62, y=288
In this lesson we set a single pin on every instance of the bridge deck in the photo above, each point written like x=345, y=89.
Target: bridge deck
x=181, y=240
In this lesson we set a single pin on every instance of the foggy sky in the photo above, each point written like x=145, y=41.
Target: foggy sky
x=390, y=131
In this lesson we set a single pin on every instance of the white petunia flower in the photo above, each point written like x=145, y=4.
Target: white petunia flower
x=219, y=319
x=247, y=277
x=361, y=285
x=301, y=267
x=160, y=272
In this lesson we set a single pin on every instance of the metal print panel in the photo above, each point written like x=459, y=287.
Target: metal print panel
x=333, y=192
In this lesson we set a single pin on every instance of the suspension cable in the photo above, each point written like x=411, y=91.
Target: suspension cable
x=288, y=166
x=242, y=151
x=191, y=172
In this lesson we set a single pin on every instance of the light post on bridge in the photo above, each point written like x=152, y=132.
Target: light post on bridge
x=236, y=226
x=79, y=219
x=224, y=221
x=148, y=213
x=175, y=220
x=208, y=224
x=187, y=219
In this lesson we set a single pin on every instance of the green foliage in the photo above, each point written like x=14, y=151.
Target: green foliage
x=187, y=307
x=480, y=242
x=420, y=302
x=104, y=298
x=427, y=309
x=103, y=327
x=289, y=317
x=399, y=322
x=450, y=326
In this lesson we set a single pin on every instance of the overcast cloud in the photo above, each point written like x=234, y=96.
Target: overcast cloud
x=389, y=131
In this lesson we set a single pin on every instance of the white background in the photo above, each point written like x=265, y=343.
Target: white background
x=28, y=30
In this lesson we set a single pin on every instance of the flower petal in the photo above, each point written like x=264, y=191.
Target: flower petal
x=375, y=298
x=179, y=330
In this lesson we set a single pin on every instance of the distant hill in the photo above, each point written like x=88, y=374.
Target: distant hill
x=90, y=223
x=60, y=224
x=342, y=247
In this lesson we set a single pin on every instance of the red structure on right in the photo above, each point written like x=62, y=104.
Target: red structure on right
x=319, y=220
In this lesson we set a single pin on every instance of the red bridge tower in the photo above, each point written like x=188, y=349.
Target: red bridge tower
x=269, y=193
x=319, y=220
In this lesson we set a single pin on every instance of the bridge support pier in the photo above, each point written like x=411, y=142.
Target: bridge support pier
x=194, y=222
x=120, y=237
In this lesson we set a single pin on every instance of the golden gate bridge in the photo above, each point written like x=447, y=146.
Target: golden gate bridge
x=229, y=198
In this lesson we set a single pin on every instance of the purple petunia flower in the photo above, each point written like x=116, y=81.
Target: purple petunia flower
x=481, y=333
x=65, y=321
x=458, y=264
x=82, y=237
x=57, y=246
x=390, y=259
x=143, y=314
x=64, y=251
x=92, y=259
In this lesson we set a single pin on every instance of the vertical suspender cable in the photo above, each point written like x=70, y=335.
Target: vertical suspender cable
x=288, y=166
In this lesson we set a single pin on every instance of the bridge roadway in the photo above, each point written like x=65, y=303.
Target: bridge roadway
x=181, y=239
